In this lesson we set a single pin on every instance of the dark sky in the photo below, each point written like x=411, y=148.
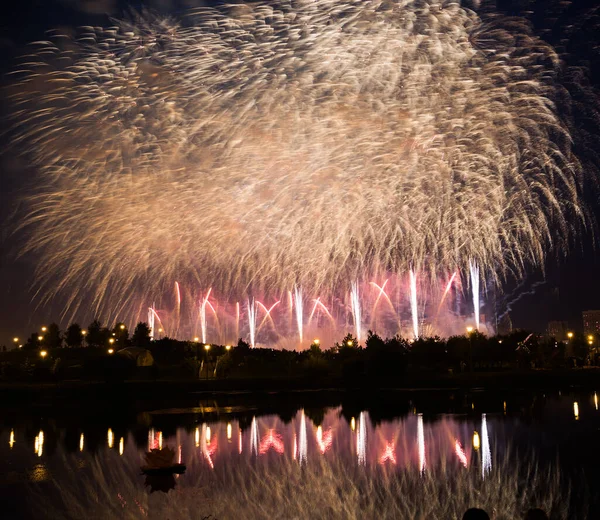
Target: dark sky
x=571, y=282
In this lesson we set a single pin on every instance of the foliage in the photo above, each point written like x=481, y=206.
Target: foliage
x=53, y=337
x=141, y=335
x=74, y=336
x=121, y=334
x=97, y=335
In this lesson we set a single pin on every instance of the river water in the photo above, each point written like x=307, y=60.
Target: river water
x=415, y=455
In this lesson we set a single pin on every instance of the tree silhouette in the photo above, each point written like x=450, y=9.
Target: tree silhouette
x=97, y=335
x=53, y=337
x=349, y=342
x=32, y=342
x=141, y=335
x=243, y=345
x=374, y=341
x=74, y=336
x=121, y=334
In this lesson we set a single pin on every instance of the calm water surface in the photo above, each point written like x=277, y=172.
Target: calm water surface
x=405, y=434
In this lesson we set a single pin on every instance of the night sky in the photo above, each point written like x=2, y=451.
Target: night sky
x=570, y=284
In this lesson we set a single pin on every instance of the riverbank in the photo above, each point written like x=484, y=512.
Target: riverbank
x=584, y=378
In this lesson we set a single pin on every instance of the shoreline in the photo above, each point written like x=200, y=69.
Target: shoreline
x=514, y=380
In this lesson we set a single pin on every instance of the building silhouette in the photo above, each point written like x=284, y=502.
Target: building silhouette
x=591, y=322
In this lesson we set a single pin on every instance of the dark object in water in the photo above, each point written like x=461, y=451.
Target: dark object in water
x=162, y=483
x=169, y=470
x=475, y=514
x=161, y=462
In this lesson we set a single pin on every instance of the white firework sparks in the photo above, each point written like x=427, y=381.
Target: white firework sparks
x=306, y=142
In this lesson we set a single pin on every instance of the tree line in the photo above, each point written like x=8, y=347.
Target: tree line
x=96, y=335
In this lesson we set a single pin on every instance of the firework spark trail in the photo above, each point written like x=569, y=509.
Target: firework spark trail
x=361, y=439
x=237, y=320
x=414, y=308
x=267, y=316
x=177, y=308
x=302, y=440
x=421, y=443
x=446, y=291
x=474, y=270
x=203, y=304
x=486, y=456
x=381, y=292
x=356, y=313
x=284, y=143
x=152, y=316
x=299, y=308
x=460, y=453
x=320, y=305
x=252, y=315
x=151, y=322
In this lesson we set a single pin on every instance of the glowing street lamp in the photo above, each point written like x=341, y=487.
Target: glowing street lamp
x=316, y=341
x=206, y=349
x=122, y=326
x=570, y=335
x=40, y=338
x=111, y=340
x=196, y=339
x=349, y=342
x=227, y=348
x=83, y=332
x=44, y=329
x=16, y=340
x=590, y=337
x=469, y=330
x=43, y=353
x=111, y=350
